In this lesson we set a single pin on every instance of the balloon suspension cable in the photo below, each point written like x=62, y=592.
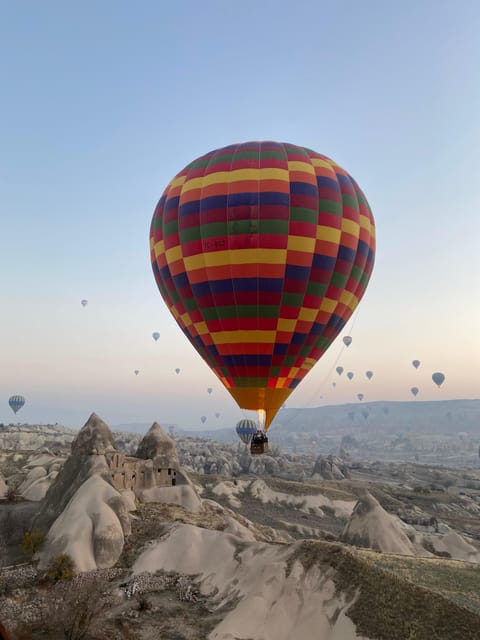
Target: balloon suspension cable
x=327, y=375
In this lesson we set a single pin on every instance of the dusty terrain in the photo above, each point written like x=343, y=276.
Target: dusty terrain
x=265, y=557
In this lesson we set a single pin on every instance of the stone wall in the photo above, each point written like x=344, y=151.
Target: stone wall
x=132, y=473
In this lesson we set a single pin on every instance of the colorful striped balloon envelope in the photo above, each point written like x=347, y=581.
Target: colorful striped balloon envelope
x=262, y=251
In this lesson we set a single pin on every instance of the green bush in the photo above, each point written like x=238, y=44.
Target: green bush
x=60, y=568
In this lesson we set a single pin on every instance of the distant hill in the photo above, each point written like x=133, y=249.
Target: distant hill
x=442, y=417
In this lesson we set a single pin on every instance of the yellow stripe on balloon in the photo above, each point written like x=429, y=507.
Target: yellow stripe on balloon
x=301, y=243
x=235, y=256
x=238, y=175
x=298, y=165
x=201, y=328
x=350, y=226
x=173, y=254
x=328, y=305
x=177, y=182
x=307, y=314
x=286, y=324
x=159, y=248
x=328, y=234
x=245, y=336
x=349, y=299
x=365, y=223
x=318, y=162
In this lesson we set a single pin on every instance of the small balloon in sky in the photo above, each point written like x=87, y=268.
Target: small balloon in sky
x=16, y=403
x=334, y=384
x=414, y=390
x=369, y=374
x=217, y=415
x=347, y=341
x=350, y=375
x=360, y=396
x=177, y=371
x=203, y=419
x=209, y=390
x=339, y=370
x=438, y=378
x=155, y=335
x=416, y=363
x=365, y=414
x=136, y=372
x=84, y=303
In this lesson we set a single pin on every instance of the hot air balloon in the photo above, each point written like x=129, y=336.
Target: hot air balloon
x=16, y=403
x=350, y=375
x=209, y=390
x=438, y=378
x=416, y=363
x=414, y=390
x=136, y=372
x=334, y=384
x=262, y=251
x=217, y=415
x=203, y=419
x=369, y=374
x=365, y=413
x=339, y=370
x=84, y=303
x=347, y=341
x=245, y=430
x=360, y=396
x=177, y=371
x=155, y=335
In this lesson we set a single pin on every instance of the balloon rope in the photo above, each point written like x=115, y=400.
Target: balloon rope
x=325, y=377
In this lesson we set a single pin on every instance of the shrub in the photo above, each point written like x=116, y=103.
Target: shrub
x=32, y=541
x=60, y=568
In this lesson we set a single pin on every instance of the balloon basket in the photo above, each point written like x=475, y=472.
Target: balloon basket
x=259, y=444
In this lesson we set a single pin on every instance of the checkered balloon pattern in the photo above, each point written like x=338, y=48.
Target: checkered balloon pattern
x=262, y=251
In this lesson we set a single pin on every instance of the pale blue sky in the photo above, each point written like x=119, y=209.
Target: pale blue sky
x=103, y=102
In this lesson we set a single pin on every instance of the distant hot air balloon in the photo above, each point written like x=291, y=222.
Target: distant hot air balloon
x=209, y=390
x=16, y=403
x=248, y=237
x=347, y=341
x=360, y=396
x=365, y=413
x=369, y=374
x=438, y=378
x=350, y=375
x=155, y=335
x=203, y=419
x=334, y=384
x=339, y=370
x=416, y=363
x=414, y=390
x=245, y=430
x=217, y=415
x=177, y=371
x=136, y=372
x=84, y=303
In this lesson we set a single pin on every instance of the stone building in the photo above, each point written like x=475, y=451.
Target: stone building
x=128, y=472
